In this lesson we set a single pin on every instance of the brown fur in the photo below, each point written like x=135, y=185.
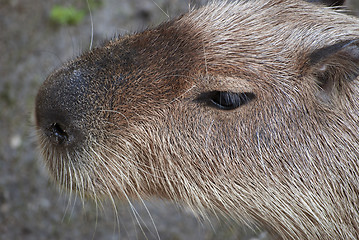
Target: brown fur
x=134, y=119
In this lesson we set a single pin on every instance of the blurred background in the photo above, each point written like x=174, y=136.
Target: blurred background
x=36, y=37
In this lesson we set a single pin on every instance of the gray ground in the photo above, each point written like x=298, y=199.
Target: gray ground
x=31, y=207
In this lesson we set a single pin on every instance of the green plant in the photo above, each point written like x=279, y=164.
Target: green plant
x=66, y=15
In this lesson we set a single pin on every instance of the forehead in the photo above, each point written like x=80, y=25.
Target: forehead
x=159, y=60
x=255, y=40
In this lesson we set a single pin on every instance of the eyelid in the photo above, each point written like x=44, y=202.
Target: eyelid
x=226, y=100
x=222, y=83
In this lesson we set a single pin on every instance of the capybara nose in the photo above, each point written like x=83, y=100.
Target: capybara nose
x=56, y=125
x=58, y=133
x=60, y=110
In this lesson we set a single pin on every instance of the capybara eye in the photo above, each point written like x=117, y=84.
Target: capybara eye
x=230, y=100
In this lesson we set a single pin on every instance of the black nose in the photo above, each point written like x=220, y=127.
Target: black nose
x=60, y=111
x=58, y=127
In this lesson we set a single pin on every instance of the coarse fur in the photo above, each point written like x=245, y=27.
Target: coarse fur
x=136, y=117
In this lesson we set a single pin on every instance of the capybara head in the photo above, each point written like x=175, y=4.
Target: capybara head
x=247, y=108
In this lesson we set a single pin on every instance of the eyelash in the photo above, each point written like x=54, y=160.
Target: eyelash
x=225, y=100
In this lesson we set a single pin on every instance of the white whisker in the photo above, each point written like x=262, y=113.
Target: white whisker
x=161, y=9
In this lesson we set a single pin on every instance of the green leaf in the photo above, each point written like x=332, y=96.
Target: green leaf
x=66, y=15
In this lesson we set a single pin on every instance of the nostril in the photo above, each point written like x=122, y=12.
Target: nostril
x=60, y=128
x=60, y=110
x=58, y=134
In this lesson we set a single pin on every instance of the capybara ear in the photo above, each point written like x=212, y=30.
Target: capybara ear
x=329, y=3
x=335, y=65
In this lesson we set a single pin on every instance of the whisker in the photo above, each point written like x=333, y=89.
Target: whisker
x=114, y=111
x=139, y=164
x=98, y=167
x=116, y=168
x=91, y=19
x=161, y=9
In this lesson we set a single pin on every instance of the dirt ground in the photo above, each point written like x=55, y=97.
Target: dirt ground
x=31, y=206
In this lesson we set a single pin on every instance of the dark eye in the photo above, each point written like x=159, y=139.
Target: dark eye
x=227, y=100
